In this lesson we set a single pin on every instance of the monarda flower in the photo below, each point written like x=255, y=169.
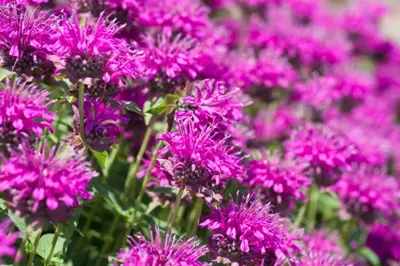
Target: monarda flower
x=193, y=159
x=45, y=186
x=321, y=248
x=7, y=241
x=93, y=52
x=211, y=102
x=368, y=193
x=277, y=181
x=324, y=153
x=384, y=240
x=246, y=233
x=27, y=39
x=103, y=124
x=24, y=114
x=170, y=61
x=167, y=250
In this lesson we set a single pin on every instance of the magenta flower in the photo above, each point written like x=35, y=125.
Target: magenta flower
x=368, y=193
x=384, y=240
x=324, y=152
x=322, y=242
x=278, y=181
x=197, y=161
x=45, y=186
x=170, y=61
x=275, y=124
x=102, y=124
x=27, y=39
x=246, y=232
x=167, y=250
x=7, y=241
x=93, y=51
x=212, y=102
x=24, y=114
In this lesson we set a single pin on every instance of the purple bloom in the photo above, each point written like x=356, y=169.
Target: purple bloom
x=24, y=114
x=368, y=193
x=280, y=182
x=27, y=39
x=45, y=186
x=246, y=232
x=324, y=152
x=212, y=102
x=7, y=241
x=93, y=51
x=170, y=61
x=168, y=251
x=198, y=161
x=384, y=240
x=102, y=124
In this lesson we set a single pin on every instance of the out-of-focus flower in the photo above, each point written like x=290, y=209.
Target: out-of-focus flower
x=323, y=152
x=170, y=61
x=102, y=124
x=368, y=193
x=45, y=186
x=384, y=240
x=275, y=124
x=27, y=39
x=198, y=161
x=167, y=250
x=24, y=114
x=212, y=102
x=246, y=232
x=7, y=241
x=280, y=182
x=94, y=52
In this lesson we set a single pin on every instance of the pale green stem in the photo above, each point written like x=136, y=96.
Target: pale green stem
x=313, y=205
x=35, y=245
x=53, y=244
x=198, y=207
x=175, y=209
x=135, y=167
x=109, y=240
x=303, y=209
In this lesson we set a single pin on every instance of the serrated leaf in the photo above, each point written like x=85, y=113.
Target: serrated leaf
x=44, y=246
x=101, y=158
x=132, y=106
x=370, y=256
x=4, y=73
x=167, y=104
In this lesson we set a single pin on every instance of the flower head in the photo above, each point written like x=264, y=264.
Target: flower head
x=102, y=124
x=211, y=102
x=168, y=251
x=27, y=38
x=197, y=161
x=7, y=240
x=384, y=240
x=94, y=52
x=324, y=152
x=278, y=181
x=246, y=232
x=368, y=193
x=45, y=186
x=23, y=114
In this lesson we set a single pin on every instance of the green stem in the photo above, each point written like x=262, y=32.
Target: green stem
x=86, y=226
x=135, y=167
x=109, y=240
x=35, y=245
x=302, y=212
x=82, y=112
x=198, y=207
x=312, y=209
x=21, y=250
x=175, y=209
x=112, y=157
x=53, y=244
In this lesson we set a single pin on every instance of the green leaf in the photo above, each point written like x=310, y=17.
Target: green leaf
x=44, y=246
x=168, y=104
x=18, y=222
x=4, y=73
x=101, y=158
x=132, y=106
x=69, y=99
x=370, y=256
